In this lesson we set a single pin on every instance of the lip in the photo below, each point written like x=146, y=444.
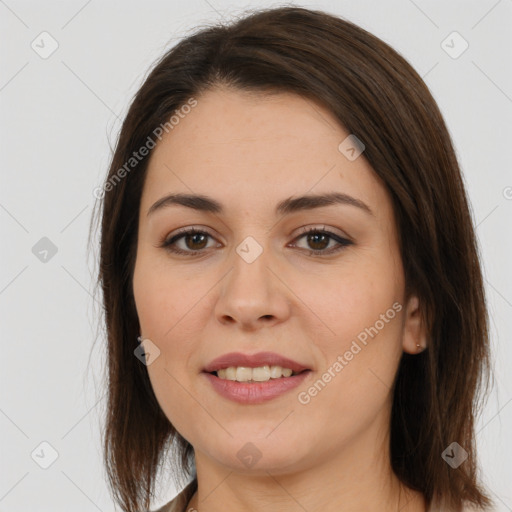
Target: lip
x=253, y=361
x=257, y=392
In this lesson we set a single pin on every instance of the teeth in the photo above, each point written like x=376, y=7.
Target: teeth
x=260, y=374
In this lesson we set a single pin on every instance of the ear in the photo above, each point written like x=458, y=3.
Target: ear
x=414, y=337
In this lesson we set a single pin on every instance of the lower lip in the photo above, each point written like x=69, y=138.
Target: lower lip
x=257, y=392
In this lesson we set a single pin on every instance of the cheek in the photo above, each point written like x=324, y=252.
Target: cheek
x=162, y=298
x=360, y=295
x=360, y=362
x=160, y=304
x=168, y=308
x=362, y=315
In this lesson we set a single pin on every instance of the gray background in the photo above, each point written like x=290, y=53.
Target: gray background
x=59, y=117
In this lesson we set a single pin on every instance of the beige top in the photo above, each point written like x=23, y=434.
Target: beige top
x=180, y=502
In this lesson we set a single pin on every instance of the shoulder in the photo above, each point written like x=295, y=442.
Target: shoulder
x=180, y=502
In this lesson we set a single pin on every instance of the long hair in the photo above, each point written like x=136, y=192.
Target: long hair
x=376, y=95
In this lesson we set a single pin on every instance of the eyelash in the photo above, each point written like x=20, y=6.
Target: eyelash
x=343, y=242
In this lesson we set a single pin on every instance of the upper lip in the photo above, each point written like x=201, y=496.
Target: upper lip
x=253, y=361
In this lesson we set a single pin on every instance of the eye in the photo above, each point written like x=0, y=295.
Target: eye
x=319, y=239
x=193, y=238
x=195, y=241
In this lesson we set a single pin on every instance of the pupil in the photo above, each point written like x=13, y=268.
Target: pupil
x=193, y=237
x=314, y=236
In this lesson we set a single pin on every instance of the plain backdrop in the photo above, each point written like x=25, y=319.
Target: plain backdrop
x=60, y=115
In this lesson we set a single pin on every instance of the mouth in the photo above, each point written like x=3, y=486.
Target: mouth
x=263, y=365
x=254, y=378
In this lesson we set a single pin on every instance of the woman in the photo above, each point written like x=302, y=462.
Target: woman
x=293, y=296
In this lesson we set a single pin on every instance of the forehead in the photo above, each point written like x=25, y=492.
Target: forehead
x=246, y=148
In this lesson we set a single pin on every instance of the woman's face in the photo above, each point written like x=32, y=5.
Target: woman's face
x=249, y=282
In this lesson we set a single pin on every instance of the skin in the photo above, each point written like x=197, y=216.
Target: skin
x=250, y=151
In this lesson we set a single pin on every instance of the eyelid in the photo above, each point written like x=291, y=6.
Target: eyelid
x=302, y=230
x=325, y=228
x=184, y=231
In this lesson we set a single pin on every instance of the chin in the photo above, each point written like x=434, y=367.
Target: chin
x=248, y=455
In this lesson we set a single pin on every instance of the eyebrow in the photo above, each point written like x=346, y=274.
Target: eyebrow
x=290, y=205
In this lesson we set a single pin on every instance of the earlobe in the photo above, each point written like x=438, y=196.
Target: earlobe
x=414, y=338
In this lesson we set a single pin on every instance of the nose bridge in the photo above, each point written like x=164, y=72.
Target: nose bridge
x=251, y=290
x=250, y=278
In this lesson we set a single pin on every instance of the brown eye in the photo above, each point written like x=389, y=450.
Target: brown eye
x=318, y=241
x=195, y=241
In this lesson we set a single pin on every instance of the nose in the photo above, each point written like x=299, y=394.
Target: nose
x=252, y=295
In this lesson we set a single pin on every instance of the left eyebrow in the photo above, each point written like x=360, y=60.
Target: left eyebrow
x=290, y=205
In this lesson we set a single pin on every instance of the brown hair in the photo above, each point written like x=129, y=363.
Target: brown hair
x=376, y=95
